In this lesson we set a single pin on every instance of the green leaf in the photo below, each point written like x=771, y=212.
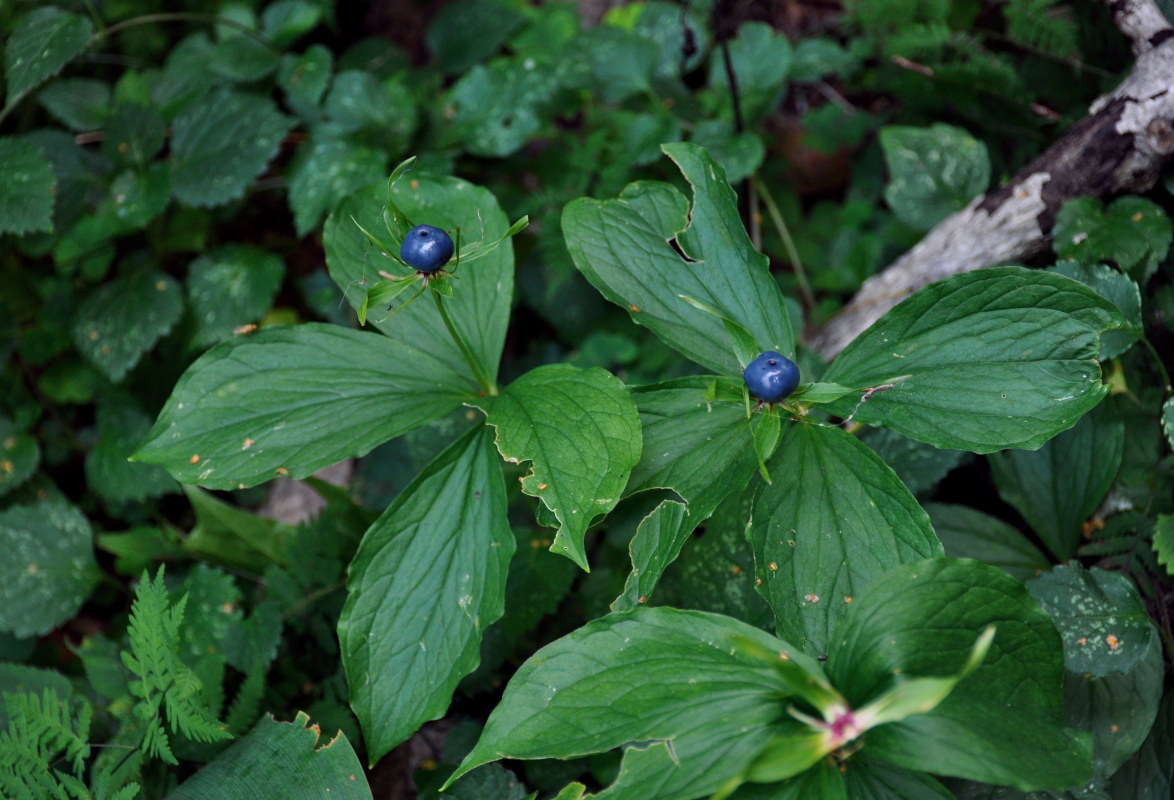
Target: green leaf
x=230, y=535
x=1164, y=541
x=465, y=33
x=869, y=779
x=480, y=308
x=495, y=110
x=220, y=143
x=134, y=134
x=48, y=568
x=695, y=708
x=741, y=153
x=122, y=320
x=1119, y=709
x=81, y=104
x=1168, y=420
x=292, y=400
x=1057, y=487
x=1149, y=775
x=625, y=248
x=19, y=456
x=835, y=518
x=1100, y=616
x=968, y=533
x=581, y=432
x=280, y=759
x=760, y=57
x=323, y=172
x=136, y=198
x=1119, y=289
x=1133, y=232
x=1002, y=724
x=428, y=578
x=229, y=287
x=621, y=62
x=26, y=194
x=933, y=172
x=122, y=427
x=41, y=44
x=997, y=358
x=358, y=101
x=919, y=466
x=304, y=77
x=285, y=21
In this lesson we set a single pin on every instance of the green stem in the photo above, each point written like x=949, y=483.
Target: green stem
x=1158, y=361
x=486, y=383
x=788, y=243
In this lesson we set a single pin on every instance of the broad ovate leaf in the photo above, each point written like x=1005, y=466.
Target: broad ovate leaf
x=48, y=567
x=27, y=193
x=480, y=305
x=694, y=706
x=834, y=518
x=428, y=578
x=580, y=431
x=42, y=43
x=280, y=759
x=1001, y=724
x=291, y=400
x=983, y=361
x=651, y=246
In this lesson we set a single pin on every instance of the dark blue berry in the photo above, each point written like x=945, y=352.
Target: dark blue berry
x=426, y=249
x=771, y=377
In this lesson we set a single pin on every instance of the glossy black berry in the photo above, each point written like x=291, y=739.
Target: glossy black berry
x=771, y=377
x=426, y=248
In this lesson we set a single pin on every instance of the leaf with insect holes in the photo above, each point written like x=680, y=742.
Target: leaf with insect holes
x=581, y=432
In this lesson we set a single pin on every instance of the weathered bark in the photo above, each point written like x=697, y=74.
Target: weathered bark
x=1120, y=147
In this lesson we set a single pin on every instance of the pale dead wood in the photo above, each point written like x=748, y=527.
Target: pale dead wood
x=1119, y=147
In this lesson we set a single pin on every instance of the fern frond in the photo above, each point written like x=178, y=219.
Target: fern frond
x=246, y=706
x=1042, y=25
x=165, y=683
x=41, y=732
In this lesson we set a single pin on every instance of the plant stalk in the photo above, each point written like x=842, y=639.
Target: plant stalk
x=486, y=383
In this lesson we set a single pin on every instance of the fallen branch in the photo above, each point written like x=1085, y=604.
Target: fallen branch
x=1119, y=148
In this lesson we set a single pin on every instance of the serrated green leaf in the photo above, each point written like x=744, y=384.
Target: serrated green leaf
x=136, y=198
x=124, y=318
x=986, y=360
x=304, y=78
x=281, y=759
x=1100, y=616
x=122, y=427
x=968, y=533
x=465, y=33
x=428, y=578
x=185, y=77
x=284, y=21
x=696, y=708
x=358, y=101
x=26, y=194
x=48, y=569
x=229, y=287
x=1133, y=232
x=580, y=430
x=480, y=308
x=760, y=57
x=220, y=143
x=1116, y=287
x=623, y=248
x=242, y=58
x=81, y=104
x=620, y=62
x=323, y=172
x=835, y=518
x=495, y=110
x=1118, y=709
x=1003, y=723
x=933, y=172
x=42, y=43
x=134, y=134
x=1057, y=487
x=19, y=456
x=292, y=400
